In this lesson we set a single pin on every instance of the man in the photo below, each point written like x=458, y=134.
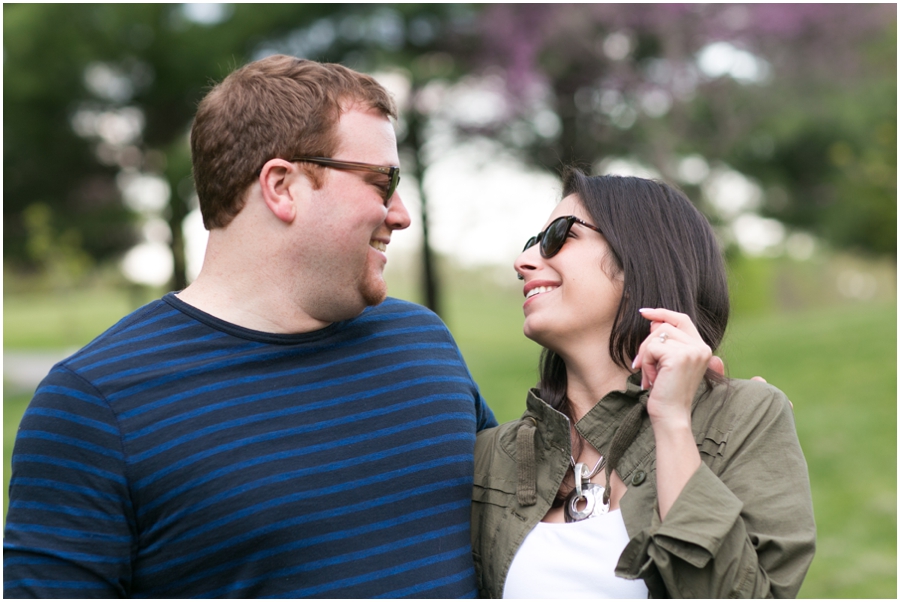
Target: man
x=276, y=429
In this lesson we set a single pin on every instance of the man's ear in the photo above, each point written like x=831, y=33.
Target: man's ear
x=275, y=179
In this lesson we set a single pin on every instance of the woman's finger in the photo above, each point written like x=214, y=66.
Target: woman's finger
x=672, y=328
x=663, y=331
x=680, y=321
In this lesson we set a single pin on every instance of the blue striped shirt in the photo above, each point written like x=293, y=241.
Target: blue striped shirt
x=178, y=455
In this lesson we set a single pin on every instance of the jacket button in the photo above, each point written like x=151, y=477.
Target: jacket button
x=638, y=477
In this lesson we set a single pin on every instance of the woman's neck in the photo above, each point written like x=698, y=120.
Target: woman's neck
x=589, y=377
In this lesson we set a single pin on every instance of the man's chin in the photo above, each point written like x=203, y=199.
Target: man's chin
x=375, y=294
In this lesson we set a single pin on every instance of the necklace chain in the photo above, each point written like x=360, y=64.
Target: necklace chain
x=600, y=463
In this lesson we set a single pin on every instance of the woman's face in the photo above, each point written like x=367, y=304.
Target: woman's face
x=570, y=300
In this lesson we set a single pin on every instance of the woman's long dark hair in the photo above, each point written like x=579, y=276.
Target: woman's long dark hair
x=669, y=257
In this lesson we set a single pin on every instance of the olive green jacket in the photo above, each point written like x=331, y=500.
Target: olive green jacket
x=742, y=527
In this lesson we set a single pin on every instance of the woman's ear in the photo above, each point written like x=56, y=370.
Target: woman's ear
x=275, y=180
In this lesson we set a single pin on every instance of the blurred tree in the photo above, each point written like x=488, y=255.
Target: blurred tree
x=103, y=93
x=96, y=93
x=45, y=163
x=801, y=98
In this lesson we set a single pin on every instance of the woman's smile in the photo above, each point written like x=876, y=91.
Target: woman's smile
x=538, y=287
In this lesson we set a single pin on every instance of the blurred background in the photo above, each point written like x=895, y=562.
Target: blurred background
x=778, y=121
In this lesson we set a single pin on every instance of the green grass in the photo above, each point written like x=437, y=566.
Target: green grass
x=64, y=320
x=838, y=366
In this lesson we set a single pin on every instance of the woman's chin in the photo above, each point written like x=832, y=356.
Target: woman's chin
x=533, y=332
x=529, y=331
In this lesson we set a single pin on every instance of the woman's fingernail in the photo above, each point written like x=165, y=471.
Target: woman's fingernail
x=634, y=363
x=643, y=309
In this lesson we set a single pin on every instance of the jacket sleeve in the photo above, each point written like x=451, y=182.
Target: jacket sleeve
x=70, y=526
x=743, y=526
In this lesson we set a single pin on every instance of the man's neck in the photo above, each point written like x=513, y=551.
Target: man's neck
x=240, y=286
x=248, y=307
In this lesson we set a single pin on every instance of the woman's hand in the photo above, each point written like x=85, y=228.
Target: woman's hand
x=673, y=360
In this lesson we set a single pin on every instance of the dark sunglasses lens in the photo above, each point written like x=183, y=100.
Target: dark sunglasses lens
x=554, y=237
x=531, y=242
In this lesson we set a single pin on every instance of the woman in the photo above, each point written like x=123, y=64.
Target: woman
x=677, y=482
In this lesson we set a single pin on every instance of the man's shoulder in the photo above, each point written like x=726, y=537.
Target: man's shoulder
x=153, y=318
x=395, y=305
x=401, y=310
x=397, y=321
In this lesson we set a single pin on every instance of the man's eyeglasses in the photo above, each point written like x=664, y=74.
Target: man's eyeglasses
x=393, y=172
x=554, y=237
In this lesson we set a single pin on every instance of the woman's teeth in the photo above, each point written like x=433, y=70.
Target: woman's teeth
x=538, y=290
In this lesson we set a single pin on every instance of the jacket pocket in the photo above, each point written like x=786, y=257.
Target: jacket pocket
x=492, y=501
x=492, y=490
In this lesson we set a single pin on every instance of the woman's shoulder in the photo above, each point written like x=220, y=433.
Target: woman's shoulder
x=737, y=404
x=754, y=393
x=497, y=431
x=489, y=440
x=495, y=448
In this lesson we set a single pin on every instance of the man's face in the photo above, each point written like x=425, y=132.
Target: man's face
x=346, y=226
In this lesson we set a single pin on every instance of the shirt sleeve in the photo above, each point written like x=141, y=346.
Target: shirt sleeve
x=484, y=414
x=70, y=526
x=743, y=526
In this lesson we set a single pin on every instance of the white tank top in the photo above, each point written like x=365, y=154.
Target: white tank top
x=573, y=560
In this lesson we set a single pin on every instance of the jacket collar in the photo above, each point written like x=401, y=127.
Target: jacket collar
x=597, y=426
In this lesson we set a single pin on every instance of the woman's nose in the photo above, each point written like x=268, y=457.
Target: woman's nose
x=526, y=262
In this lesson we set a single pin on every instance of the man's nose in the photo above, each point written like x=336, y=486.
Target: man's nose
x=397, y=217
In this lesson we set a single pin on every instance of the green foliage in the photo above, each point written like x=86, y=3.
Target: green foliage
x=828, y=156
x=832, y=169
x=816, y=127
x=45, y=163
x=156, y=65
x=60, y=254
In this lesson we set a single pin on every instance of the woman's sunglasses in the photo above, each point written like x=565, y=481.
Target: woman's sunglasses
x=554, y=237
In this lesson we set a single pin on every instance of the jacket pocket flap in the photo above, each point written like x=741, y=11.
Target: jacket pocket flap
x=492, y=490
x=712, y=443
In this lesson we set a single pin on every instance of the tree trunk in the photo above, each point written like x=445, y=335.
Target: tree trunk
x=178, y=210
x=430, y=280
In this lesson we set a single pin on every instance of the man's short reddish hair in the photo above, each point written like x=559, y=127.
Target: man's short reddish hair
x=276, y=107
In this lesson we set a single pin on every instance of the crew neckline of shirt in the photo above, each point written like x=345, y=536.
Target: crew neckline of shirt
x=262, y=336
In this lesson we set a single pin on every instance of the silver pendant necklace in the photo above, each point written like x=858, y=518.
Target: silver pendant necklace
x=585, y=491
